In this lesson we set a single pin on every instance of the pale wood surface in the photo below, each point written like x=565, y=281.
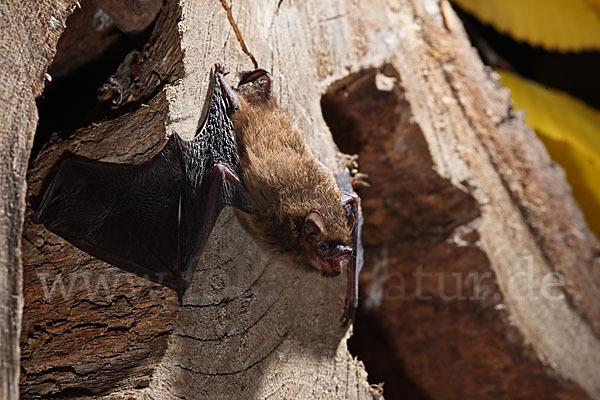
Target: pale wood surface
x=251, y=328
x=30, y=31
x=517, y=223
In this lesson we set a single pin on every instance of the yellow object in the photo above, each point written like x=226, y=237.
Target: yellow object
x=572, y=25
x=570, y=129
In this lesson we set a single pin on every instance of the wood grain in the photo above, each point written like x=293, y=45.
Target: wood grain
x=460, y=186
x=26, y=47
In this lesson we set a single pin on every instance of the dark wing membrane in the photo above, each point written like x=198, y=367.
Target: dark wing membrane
x=350, y=202
x=153, y=219
x=212, y=172
x=126, y=215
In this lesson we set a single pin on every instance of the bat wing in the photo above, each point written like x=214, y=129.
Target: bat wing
x=350, y=201
x=126, y=215
x=211, y=175
x=153, y=219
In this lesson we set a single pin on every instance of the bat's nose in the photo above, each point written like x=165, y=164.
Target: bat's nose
x=344, y=250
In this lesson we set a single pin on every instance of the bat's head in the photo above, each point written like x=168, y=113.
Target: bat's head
x=326, y=248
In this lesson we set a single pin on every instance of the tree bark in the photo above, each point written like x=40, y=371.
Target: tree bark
x=484, y=276
x=93, y=330
x=26, y=45
x=478, y=194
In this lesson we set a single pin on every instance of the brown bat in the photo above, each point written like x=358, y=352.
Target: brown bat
x=153, y=219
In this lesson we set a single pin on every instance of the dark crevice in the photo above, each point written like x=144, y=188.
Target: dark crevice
x=93, y=325
x=119, y=329
x=70, y=393
x=71, y=99
x=410, y=214
x=368, y=343
x=64, y=368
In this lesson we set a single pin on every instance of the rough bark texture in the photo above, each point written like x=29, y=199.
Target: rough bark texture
x=463, y=246
x=26, y=46
x=460, y=189
x=93, y=330
x=131, y=15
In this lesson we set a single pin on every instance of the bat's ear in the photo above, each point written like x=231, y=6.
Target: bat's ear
x=314, y=226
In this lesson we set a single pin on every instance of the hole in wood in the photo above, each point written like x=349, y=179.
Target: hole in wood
x=89, y=328
x=413, y=219
x=88, y=57
x=430, y=323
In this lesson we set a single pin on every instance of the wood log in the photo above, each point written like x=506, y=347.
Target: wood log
x=461, y=190
x=26, y=45
x=93, y=330
x=484, y=276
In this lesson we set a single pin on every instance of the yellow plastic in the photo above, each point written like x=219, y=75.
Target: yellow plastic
x=570, y=129
x=562, y=25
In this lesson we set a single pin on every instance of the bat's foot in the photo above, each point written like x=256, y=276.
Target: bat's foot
x=248, y=77
x=349, y=161
x=357, y=178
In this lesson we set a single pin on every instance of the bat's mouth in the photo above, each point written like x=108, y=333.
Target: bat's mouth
x=336, y=265
x=331, y=266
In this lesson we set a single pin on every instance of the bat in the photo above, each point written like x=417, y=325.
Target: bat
x=154, y=219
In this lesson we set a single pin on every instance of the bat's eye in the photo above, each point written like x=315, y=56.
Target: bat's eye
x=323, y=247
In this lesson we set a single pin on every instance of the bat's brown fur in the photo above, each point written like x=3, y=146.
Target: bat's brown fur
x=285, y=180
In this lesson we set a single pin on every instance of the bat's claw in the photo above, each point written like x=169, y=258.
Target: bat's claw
x=359, y=179
x=350, y=161
x=221, y=69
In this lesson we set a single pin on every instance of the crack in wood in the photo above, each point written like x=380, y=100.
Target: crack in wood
x=227, y=300
x=238, y=333
x=247, y=368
